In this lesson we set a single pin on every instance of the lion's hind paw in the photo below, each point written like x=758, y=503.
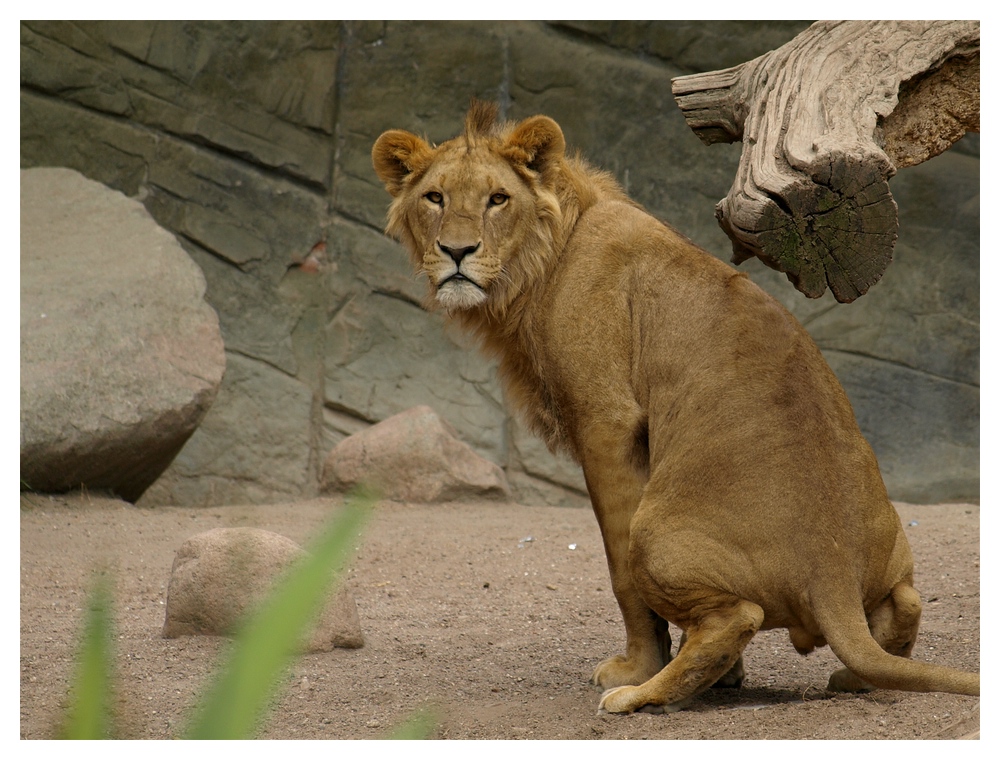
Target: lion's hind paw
x=844, y=680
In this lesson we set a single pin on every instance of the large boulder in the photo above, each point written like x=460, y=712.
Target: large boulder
x=120, y=354
x=413, y=456
x=221, y=576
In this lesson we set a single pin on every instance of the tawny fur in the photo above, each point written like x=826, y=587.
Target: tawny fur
x=732, y=486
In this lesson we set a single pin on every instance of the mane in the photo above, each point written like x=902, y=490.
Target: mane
x=482, y=121
x=506, y=327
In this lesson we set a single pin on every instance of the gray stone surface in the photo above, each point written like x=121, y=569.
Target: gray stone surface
x=249, y=447
x=121, y=357
x=221, y=576
x=413, y=456
x=252, y=142
x=694, y=45
x=375, y=343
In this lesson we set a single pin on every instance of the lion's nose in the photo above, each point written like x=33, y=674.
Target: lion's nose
x=458, y=253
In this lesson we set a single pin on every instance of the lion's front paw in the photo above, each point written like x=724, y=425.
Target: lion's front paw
x=845, y=680
x=628, y=699
x=621, y=671
x=622, y=699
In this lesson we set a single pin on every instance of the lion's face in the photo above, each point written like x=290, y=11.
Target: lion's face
x=467, y=214
x=475, y=212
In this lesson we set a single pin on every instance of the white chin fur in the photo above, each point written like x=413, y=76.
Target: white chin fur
x=460, y=295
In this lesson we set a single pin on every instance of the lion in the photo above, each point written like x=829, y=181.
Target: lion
x=732, y=486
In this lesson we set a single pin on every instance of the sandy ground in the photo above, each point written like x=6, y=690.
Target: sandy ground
x=492, y=615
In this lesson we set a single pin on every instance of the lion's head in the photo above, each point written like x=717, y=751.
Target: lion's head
x=479, y=213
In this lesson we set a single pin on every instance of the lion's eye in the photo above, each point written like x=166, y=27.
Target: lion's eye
x=434, y=197
x=498, y=199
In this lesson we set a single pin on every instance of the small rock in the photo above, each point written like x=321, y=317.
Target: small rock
x=219, y=576
x=413, y=456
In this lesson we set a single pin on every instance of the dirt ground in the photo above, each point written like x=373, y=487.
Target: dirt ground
x=492, y=615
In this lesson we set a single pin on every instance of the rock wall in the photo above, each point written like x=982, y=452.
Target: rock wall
x=251, y=142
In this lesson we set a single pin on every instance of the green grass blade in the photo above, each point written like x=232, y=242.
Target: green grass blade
x=87, y=716
x=420, y=725
x=246, y=684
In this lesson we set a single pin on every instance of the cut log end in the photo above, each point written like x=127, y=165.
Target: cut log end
x=841, y=237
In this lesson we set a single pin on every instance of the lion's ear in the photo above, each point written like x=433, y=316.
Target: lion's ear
x=396, y=155
x=536, y=142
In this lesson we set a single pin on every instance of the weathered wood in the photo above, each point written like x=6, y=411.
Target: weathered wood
x=826, y=120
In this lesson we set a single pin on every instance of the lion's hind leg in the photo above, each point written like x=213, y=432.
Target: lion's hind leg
x=714, y=645
x=893, y=624
x=732, y=679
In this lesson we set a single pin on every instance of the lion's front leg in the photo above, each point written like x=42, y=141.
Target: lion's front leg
x=615, y=488
x=640, y=660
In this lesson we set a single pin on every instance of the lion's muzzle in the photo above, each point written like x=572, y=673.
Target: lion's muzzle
x=457, y=289
x=457, y=253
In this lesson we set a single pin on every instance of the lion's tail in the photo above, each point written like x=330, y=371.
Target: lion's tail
x=845, y=627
